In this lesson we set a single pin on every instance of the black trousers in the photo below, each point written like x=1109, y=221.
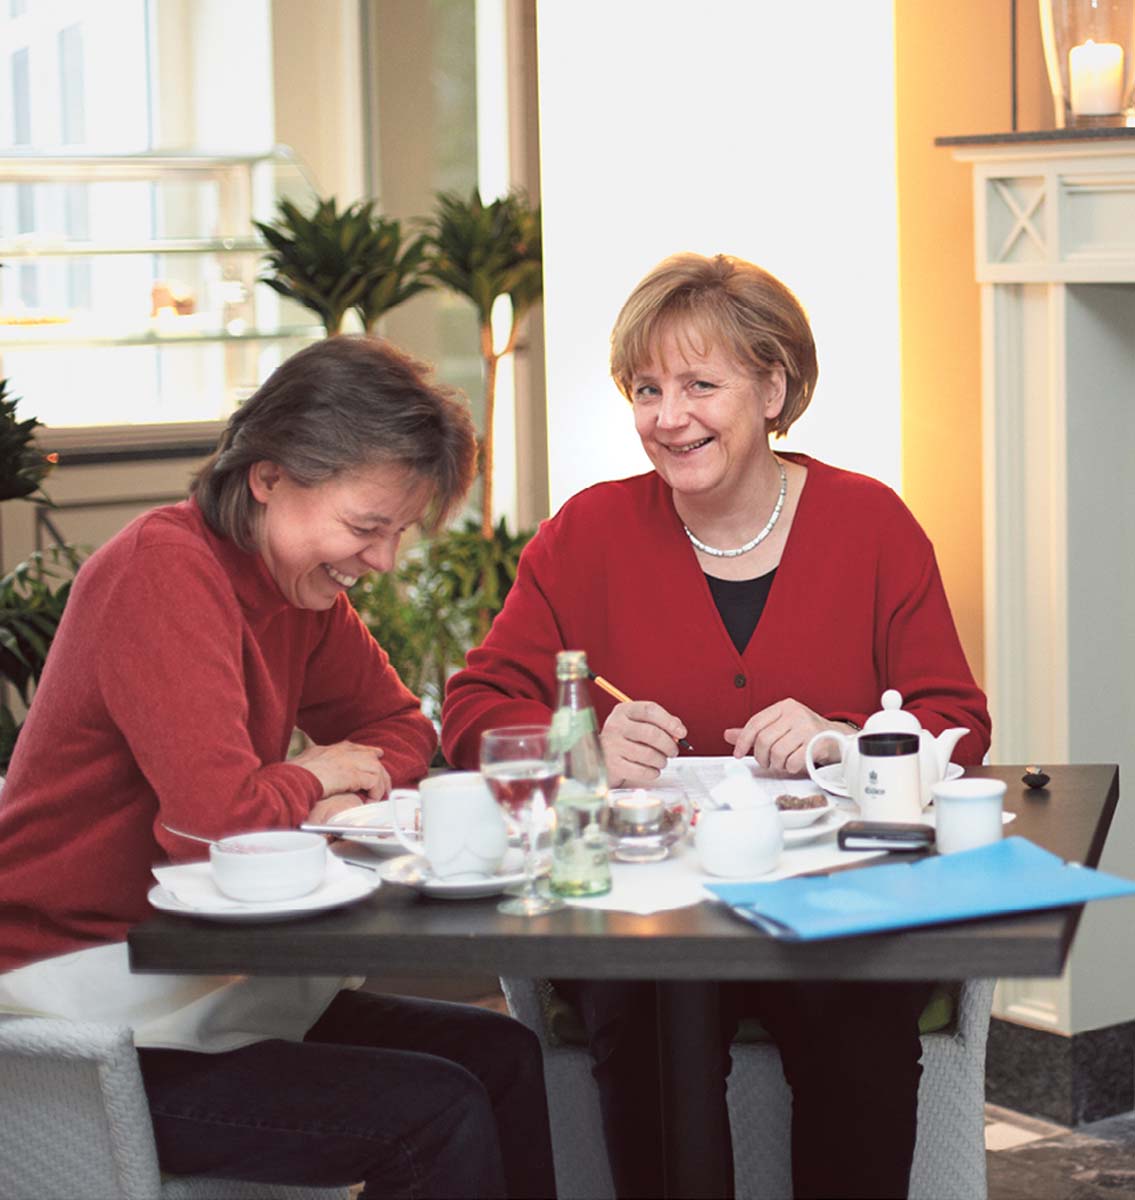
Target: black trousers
x=850, y=1053
x=417, y=1098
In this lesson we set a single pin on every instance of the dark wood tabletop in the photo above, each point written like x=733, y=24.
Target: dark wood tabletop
x=396, y=930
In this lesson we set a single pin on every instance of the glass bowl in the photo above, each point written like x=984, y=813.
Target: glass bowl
x=643, y=823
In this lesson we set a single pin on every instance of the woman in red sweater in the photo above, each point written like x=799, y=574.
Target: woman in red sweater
x=750, y=600
x=193, y=644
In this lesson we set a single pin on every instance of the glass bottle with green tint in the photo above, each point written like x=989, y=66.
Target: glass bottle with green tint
x=580, y=859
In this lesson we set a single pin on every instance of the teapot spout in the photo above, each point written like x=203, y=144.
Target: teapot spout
x=944, y=745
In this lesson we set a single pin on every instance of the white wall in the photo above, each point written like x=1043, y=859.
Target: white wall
x=750, y=127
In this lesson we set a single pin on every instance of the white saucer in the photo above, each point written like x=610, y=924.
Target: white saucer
x=380, y=814
x=362, y=882
x=828, y=823
x=830, y=778
x=412, y=870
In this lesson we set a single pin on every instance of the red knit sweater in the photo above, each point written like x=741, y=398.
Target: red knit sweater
x=857, y=606
x=173, y=685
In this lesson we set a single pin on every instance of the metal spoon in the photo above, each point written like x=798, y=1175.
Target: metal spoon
x=193, y=837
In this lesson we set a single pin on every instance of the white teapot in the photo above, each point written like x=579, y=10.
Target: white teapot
x=933, y=752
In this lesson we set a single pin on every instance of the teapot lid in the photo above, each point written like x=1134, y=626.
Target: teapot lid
x=892, y=718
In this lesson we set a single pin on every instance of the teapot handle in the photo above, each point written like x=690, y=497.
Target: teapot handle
x=844, y=740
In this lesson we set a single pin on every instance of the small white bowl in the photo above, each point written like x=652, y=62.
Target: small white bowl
x=277, y=864
x=798, y=818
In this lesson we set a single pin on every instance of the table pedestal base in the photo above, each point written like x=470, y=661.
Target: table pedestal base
x=698, y=1157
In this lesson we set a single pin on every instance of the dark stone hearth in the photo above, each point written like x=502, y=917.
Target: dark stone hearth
x=1069, y=1080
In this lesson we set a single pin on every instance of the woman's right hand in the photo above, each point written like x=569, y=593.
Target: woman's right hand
x=637, y=739
x=346, y=767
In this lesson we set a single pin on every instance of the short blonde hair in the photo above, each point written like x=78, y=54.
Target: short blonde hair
x=719, y=302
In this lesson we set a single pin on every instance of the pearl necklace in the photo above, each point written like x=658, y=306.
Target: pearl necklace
x=753, y=543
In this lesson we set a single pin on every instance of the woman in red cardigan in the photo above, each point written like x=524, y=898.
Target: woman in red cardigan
x=749, y=600
x=194, y=643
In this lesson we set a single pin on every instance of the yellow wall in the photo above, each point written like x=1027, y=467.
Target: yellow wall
x=952, y=76
x=947, y=81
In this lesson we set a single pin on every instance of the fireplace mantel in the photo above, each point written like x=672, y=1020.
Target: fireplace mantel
x=1054, y=212
x=1055, y=261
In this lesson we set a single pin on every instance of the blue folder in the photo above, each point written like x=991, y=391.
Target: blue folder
x=1009, y=876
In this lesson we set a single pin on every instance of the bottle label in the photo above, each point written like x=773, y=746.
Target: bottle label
x=569, y=725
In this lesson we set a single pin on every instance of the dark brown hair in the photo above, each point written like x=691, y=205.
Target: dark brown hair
x=725, y=302
x=342, y=403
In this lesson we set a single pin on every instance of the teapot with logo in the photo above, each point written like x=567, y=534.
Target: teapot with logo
x=933, y=752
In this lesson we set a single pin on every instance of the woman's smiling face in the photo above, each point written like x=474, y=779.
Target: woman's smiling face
x=317, y=541
x=702, y=418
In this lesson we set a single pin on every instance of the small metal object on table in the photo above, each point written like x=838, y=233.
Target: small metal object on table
x=683, y=949
x=1035, y=777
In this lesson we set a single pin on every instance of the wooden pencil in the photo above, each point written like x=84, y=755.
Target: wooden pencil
x=621, y=696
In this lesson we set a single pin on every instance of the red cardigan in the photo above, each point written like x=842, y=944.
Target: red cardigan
x=857, y=606
x=171, y=692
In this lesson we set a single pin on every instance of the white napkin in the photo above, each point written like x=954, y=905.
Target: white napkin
x=192, y=884
x=678, y=881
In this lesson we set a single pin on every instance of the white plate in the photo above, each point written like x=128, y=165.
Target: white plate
x=363, y=883
x=830, y=778
x=828, y=823
x=379, y=814
x=412, y=870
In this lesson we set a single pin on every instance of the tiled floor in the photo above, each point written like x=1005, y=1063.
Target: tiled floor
x=1033, y=1160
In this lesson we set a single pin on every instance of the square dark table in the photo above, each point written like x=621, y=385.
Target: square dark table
x=396, y=930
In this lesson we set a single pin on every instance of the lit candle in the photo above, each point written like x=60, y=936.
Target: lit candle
x=1096, y=73
x=639, y=808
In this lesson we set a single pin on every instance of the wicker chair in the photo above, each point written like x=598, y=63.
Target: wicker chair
x=74, y=1122
x=949, y=1155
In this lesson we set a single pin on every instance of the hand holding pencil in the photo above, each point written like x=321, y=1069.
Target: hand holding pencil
x=623, y=698
x=638, y=738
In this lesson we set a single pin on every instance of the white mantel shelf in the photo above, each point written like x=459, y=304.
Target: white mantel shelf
x=1054, y=211
x=1055, y=261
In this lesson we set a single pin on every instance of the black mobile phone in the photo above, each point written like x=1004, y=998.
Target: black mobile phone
x=885, y=835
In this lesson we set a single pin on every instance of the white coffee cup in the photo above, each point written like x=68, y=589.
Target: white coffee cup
x=739, y=843
x=463, y=833
x=967, y=813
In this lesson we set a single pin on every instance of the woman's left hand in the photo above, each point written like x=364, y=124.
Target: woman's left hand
x=778, y=735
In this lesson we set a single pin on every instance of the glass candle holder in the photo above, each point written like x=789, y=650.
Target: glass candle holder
x=1089, y=50
x=643, y=823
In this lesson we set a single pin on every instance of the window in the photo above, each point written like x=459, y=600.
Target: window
x=128, y=294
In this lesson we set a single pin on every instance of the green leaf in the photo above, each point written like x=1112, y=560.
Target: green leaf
x=485, y=251
x=438, y=601
x=22, y=465
x=332, y=261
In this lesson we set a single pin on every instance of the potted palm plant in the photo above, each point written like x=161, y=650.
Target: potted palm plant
x=22, y=466
x=394, y=273
x=34, y=593
x=437, y=603
x=333, y=261
x=482, y=252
